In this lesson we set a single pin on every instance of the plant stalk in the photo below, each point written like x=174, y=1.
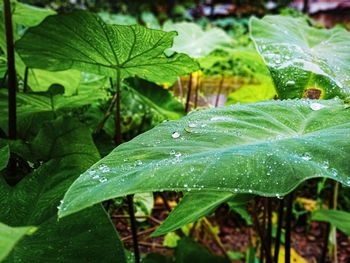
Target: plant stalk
x=25, y=81
x=279, y=230
x=118, y=132
x=269, y=226
x=188, y=97
x=221, y=84
x=12, y=80
x=265, y=248
x=334, y=229
x=179, y=84
x=196, y=92
x=133, y=228
x=288, y=228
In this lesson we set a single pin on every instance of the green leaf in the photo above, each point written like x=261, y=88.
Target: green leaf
x=38, y=79
x=266, y=148
x=190, y=251
x=161, y=101
x=9, y=236
x=192, y=207
x=263, y=90
x=81, y=40
x=28, y=15
x=195, y=42
x=339, y=219
x=86, y=236
x=4, y=155
x=171, y=239
x=303, y=58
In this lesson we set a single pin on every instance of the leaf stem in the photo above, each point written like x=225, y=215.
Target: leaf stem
x=25, y=81
x=188, y=97
x=12, y=81
x=196, y=91
x=107, y=113
x=118, y=132
x=221, y=84
x=279, y=230
x=288, y=228
x=133, y=228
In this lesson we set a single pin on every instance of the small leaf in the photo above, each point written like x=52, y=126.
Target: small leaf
x=192, y=207
x=339, y=219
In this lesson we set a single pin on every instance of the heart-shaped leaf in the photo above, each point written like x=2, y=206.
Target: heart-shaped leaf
x=81, y=40
x=304, y=61
x=266, y=148
x=66, y=148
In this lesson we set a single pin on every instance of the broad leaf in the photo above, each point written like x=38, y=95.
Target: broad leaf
x=81, y=40
x=9, y=236
x=339, y=219
x=266, y=148
x=303, y=59
x=66, y=148
x=191, y=208
x=195, y=42
x=4, y=155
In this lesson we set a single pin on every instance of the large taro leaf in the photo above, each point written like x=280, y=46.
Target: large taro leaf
x=303, y=59
x=89, y=236
x=9, y=236
x=267, y=148
x=81, y=40
x=195, y=42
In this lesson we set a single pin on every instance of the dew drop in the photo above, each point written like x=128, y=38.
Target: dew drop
x=178, y=154
x=138, y=162
x=185, y=185
x=175, y=135
x=250, y=190
x=172, y=152
x=290, y=83
x=306, y=157
x=317, y=106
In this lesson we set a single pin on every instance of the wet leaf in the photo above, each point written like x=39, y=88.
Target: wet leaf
x=265, y=148
x=303, y=61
